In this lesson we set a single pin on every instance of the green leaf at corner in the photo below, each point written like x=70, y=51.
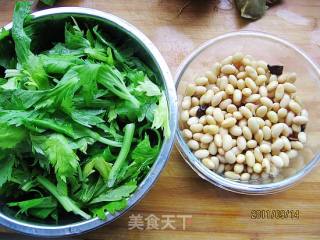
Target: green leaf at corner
x=10, y=136
x=161, y=117
x=149, y=88
x=36, y=203
x=49, y=2
x=111, y=208
x=4, y=33
x=144, y=152
x=59, y=153
x=6, y=165
x=116, y=194
x=31, y=63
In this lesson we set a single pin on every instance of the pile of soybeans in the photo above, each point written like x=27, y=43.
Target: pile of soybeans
x=243, y=118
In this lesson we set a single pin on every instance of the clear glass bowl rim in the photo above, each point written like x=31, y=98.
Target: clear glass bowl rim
x=214, y=178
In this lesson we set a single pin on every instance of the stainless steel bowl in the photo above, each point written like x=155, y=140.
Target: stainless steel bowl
x=48, y=23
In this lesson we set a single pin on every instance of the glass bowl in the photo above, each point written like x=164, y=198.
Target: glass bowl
x=275, y=51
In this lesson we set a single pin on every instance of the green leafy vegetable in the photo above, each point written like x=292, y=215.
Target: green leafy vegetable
x=4, y=33
x=98, y=162
x=149, y=88
x=81, y=121
x=59, y=64
x=60, y=155
x=38, y=207
x=161, y=116
x=111, y=208
x=10, y=136
x=6, y=166
x=144, y=152
x=31, y=63
x=128, y=136
x=67, y=203
x=113, y=81
x=143, y=157
x=116, y=194
x=49, y=2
